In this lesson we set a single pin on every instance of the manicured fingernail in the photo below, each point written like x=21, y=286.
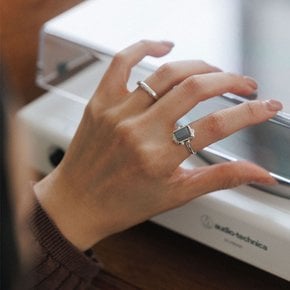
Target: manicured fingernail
x=167, y=43
x=274, y=105
x=252, y=82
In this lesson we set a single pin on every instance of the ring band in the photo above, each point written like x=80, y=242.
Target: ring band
x=148, y=90
x=189, y=147
x=183, y=135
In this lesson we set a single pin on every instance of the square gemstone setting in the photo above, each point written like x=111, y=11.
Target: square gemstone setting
x=183, y=134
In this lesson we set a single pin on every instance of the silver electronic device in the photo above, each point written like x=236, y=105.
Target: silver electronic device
x=249, y=223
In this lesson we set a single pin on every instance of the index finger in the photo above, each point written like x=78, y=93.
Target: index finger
x=119, y=70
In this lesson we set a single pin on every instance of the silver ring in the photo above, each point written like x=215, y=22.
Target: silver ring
x=182, y=136
x=189, y=147
x=148, y=90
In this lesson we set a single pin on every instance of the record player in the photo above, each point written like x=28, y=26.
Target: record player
x=249, y=223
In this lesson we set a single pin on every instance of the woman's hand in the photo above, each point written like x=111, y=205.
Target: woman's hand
x=123, y=167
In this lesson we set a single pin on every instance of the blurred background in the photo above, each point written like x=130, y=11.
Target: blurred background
x=20, y=23
x=265, y=42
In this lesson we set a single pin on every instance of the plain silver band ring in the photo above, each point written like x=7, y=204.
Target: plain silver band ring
x=148, y=90
x=189, y=147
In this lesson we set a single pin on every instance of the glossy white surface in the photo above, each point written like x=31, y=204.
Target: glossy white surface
x=238, y=36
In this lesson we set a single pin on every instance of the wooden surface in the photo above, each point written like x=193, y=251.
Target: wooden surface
x=147, y=256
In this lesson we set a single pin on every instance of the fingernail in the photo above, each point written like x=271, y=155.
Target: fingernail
x=168, y=43
x=252, y=82
x=274, y=105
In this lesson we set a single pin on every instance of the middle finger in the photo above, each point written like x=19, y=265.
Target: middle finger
x=165, y=78
x=177, y=102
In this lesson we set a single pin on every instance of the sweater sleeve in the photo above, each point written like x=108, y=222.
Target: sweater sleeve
x=56, y=263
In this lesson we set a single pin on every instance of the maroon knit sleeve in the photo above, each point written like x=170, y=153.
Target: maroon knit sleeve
x=56, y=263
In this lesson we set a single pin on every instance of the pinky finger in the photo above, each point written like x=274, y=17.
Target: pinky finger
x=228, y=175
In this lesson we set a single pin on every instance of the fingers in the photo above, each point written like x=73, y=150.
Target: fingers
x=118, y=73
x=223, y=176
x=166, y=77
x=197, y=88
x=223, y=123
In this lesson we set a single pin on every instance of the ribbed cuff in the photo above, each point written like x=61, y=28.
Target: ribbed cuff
x=54, y=243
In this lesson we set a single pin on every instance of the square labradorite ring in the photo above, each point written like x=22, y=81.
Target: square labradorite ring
x=183, y=135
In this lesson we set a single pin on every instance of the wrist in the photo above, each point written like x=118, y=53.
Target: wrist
x=75, y=222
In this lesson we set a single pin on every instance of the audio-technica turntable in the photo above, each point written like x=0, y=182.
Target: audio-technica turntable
x=249, y=223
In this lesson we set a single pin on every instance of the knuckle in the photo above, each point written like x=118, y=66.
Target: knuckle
x=142, y=154
x=252, y=109
x=119, y=58
x=192, y=84
x=233, y=82
x=145, y=42
x=216, y=125
x=126, y=133
x=145, y=45
x=231, y=75
x=89, y=111
x=165, y=71
x=230, y=176
x=108, y=119
x=92, y=112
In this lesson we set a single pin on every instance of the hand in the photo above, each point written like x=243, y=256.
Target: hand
x=122, y=166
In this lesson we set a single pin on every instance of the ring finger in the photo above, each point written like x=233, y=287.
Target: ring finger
x=223, y=123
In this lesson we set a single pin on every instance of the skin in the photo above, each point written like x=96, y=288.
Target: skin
x=122, y=166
